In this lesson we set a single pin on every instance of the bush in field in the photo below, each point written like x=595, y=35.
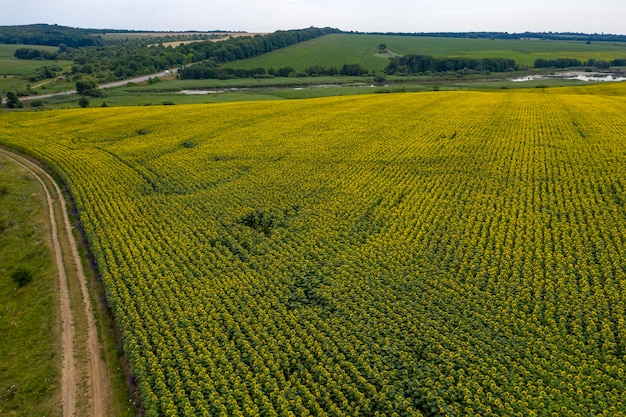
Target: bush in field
x=380, y=77
x=21, y=276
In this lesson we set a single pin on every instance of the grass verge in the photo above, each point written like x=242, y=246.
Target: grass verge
x=29, y=320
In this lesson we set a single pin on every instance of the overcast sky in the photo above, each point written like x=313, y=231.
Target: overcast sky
x=608, y=16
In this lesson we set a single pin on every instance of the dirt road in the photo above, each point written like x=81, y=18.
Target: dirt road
x=106, y=85
x=74, y=369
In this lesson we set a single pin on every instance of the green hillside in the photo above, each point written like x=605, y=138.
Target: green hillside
x=338, y=49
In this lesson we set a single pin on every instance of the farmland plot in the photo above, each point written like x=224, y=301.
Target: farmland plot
x=407, y=254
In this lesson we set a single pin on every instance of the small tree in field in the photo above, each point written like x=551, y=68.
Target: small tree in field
x=83, y=102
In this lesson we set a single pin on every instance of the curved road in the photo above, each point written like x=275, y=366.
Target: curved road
x=99, y=394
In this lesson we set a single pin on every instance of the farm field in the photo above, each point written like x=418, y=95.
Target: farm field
x=338, y=49
x=442, y=253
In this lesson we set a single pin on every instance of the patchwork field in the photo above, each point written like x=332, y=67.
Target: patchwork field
x=445, y=253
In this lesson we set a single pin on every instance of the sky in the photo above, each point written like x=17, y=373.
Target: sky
x=600, y=16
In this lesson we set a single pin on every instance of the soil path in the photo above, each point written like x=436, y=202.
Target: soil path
x=99, y=394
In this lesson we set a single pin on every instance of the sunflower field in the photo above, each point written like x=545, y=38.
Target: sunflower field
x=428, y=254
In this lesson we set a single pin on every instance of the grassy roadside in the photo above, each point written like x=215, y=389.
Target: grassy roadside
x=29, y=317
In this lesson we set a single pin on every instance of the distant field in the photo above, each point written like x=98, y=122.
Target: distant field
x=338, y=49
x=174, y=44
x=218, y=35
x=9, y=65
x=124, y=35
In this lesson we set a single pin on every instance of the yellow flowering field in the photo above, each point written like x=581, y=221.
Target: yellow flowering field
x=445, y=253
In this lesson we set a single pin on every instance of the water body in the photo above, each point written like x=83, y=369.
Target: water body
x=574, y=75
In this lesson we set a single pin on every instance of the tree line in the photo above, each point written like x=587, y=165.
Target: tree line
x=553, y=36
x=32, y=53
x=208, y=70
x=419, y=64
x=573, y=62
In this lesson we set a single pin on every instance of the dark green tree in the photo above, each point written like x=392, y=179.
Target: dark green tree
x=86, y=86
x=13, y=101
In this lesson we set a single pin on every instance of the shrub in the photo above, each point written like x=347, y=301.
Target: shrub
x=13, y=100
x=380, y=77
x=21, y=276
